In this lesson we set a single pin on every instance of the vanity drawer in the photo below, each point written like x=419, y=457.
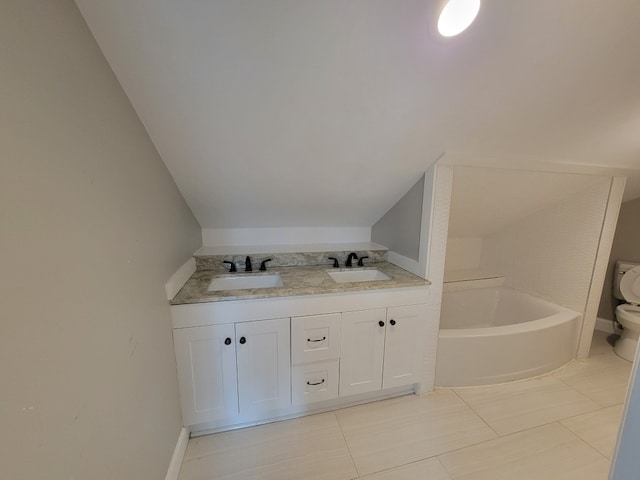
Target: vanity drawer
x=314, y=382
x=315, y=338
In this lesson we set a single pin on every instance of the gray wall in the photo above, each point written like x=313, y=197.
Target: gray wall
x=626, y=246
x=399, y=228
x=92, y=226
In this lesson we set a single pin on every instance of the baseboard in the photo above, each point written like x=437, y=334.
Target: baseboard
x=605, y=325
x=178, y=455
x=179, y=278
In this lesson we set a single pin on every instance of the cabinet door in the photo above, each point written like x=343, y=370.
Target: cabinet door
x=403, y=345
x=206, y=372
x=264, y=368
x=362, y=351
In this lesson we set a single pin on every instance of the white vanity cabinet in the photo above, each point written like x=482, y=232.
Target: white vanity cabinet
x=381, y=348
x=234, y=372
x=282, y=357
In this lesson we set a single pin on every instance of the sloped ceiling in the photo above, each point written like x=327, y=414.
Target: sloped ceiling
x=324, y=113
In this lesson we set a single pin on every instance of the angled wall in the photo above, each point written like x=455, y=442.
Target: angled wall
x=92, y=228
x=399, y=228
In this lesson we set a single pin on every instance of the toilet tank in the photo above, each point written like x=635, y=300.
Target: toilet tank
x=621, y=268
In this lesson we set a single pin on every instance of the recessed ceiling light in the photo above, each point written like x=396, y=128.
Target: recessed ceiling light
x=456, y=16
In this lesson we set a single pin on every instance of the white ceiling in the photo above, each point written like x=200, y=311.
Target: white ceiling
x=324, y=113
x=486, y=200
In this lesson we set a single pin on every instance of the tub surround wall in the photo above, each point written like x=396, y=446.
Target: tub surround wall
x=467, y=281
x=463, y=253
x=92, y=227
x=551, y=254
x=626, y=246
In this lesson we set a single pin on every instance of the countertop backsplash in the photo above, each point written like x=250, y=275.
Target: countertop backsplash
x=214, y=262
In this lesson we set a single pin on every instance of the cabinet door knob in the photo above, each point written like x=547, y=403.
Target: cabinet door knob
x=381, y=323
x=392, y=322
x=227, y=341
x=243, y=340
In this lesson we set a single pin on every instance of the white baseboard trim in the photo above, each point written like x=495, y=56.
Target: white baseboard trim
x=401, y=261
x=178, y=455
x=179, y=278
x=605, y=325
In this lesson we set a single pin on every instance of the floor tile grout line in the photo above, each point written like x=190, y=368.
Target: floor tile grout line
x=377, y=472
x=501, y=437
x=449, y=474
x=474, y=411
x=428, y=457
x=578, y=437
x=558, y=420
x=547, y=375
x=344, y=437
x=584, y=394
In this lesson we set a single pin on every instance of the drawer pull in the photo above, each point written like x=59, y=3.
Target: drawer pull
x=314, y=384
x=318, y=340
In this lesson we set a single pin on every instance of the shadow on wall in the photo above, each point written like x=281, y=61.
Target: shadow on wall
x=626, y=246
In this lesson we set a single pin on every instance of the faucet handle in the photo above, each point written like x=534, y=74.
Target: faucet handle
x=361, y=261
x=232, y=266
x=263, y=265
x=335, y=262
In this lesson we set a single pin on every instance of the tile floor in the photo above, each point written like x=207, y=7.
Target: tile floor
x=559, y=426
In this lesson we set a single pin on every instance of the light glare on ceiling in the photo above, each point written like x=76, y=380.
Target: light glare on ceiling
x=456, y=16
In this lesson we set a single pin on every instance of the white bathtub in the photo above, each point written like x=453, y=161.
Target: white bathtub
x=496, y=335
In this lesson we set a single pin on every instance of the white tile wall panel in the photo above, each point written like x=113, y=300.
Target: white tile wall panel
x=552, y=253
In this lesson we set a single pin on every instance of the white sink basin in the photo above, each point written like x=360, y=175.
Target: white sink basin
x=368, y=275
x=243, y=282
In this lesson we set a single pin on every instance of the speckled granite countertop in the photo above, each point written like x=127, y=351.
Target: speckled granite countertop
x=297, y=280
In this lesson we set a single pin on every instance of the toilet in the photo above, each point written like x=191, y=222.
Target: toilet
x=626, y=286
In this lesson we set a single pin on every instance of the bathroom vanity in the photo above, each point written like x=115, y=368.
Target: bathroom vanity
x=251, y=355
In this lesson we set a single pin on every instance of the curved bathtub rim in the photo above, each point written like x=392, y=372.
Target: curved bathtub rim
x=511, y=329
x=506, y=349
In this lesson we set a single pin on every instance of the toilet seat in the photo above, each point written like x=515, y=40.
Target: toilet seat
x=630, y=285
